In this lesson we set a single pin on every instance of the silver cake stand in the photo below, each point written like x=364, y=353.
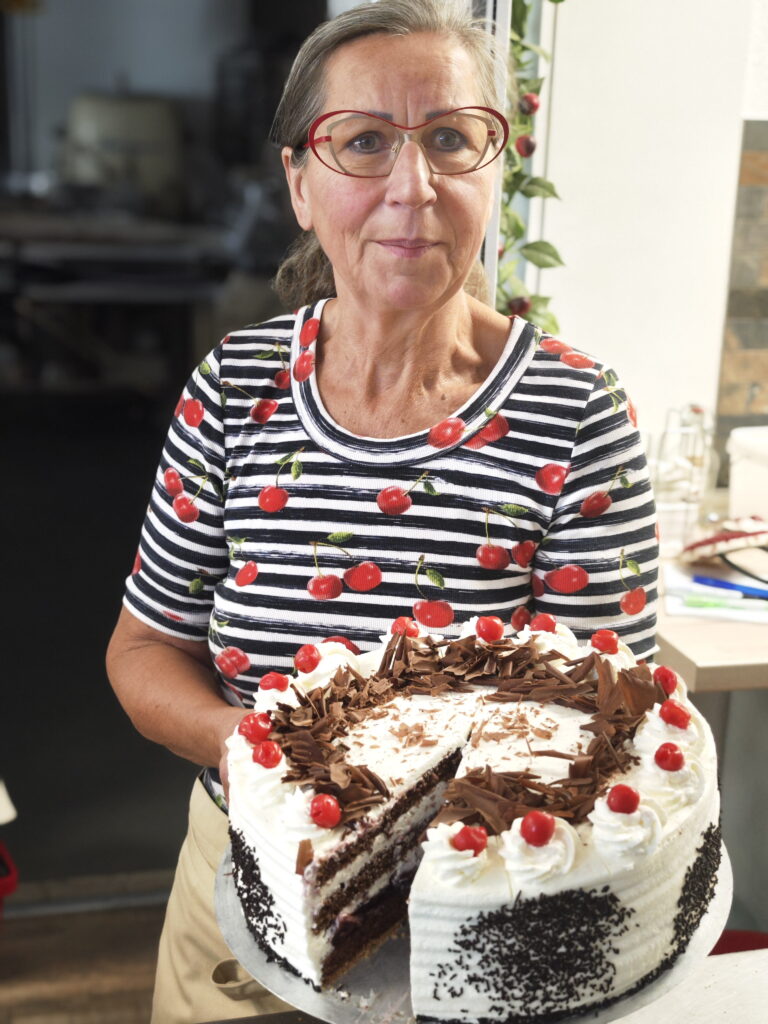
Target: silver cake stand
x=377, y=990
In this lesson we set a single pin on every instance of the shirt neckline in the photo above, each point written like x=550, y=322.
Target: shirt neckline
x=418, y=447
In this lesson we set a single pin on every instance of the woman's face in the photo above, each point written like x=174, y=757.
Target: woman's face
x=407, y=241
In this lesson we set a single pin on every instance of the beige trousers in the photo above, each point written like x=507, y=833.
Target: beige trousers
x=197, y=977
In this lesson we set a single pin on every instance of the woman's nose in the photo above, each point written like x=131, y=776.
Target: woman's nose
x=411, y=179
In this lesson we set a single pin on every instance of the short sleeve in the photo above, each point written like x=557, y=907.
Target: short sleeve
x=182, y=550
x=597, y=565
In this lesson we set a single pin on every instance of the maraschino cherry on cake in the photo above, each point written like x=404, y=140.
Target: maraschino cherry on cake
x=545, y=813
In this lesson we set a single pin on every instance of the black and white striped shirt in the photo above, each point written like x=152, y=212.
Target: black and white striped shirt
x=542, y=469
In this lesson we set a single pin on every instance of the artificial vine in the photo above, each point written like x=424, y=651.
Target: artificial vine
x=511, y=294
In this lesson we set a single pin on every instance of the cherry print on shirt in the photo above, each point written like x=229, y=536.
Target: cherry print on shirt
x=183, y=505
x=567, y=579
x=551, y=477
x=598, y=502
x=136, y=564
x=303, y=366
x=394, y=500
x=193, y=412
x=323, y=586
x=633, y=601
x=577, y=360
x=434, y=614
x=362, y=577
x=496, y=428
x=446, y=433
x=554, y=346
x=309, y=332
x=274, y=498
x=494, y=556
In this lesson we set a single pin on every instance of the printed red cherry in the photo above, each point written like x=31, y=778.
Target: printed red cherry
x=622, y=799
x=342, y=640
x=605, y=640
x=551, y=477
x=303, y=366
x=666, y=678
x=537, y=828
x=179, y=405
x=544, y=623
x=405, y=624
x=172, y=481
x=489, y=628
x=568, y=579
x=309, y=332
x=246, y=574
x=263, y=409
x=523, y=553
x=633, y=602
x=669, y=757
x=307, y=658
x=325, y=588
x=393, y=501
x=362, y=577
x=274, y=681
x=136, y=564
x=520, y=617
x=525, y=144
x=185, y=508
x=528, y=103
x=255, y=727
x=272, y=499
x=492, y=556
x=555, y=346
x=325, y=810
x=673, y=713
x=537, y=585
x=519, y=306
x=494, y=430
x=595, y=504
x=631, y=413
x=193, y=412
x=436, y=614
x=471, y=837
x=577, y=360
x=232, y=661
x=268, y=754
x=446, y=433
x=282, y=379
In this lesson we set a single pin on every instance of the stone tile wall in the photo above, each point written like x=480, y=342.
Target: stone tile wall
x=743, y=392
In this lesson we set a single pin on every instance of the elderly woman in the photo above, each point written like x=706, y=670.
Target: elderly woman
x=393, y=455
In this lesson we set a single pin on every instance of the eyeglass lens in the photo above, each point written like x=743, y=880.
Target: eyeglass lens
x=366, y=145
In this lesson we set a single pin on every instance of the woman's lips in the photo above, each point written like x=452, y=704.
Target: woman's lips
x=409, y=248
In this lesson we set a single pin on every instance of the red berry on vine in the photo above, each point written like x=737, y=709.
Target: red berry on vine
x=595, y=504
x=673, y=713
x=325, y=810
x=255, y=727
x=666, y=678
x=307, y=658
x=523, y=553
x=528, y=103
x=537, y=828
x=325, y=588
x=551, y=477
x=268, y=754
x=568, y=579
x=519, y=306
x=309, y=332
x=492, y=556
x=231, y=662
x=446, y=433
x=669, y=757
x=272, y=499
x=342, y=640
x=393, y=501
x=525, y=145
x=303, y=366
x=520, y=617
x=185, y=508
x=246, y=574
x=274, y=681
x=172, y=481
x=489, y=628
x=193, y=412
x=544, y=623
x=263, y=409
x=633, y=602
x=622, y=799
x=436, y=614
x=605, y=640
x=405, y=624
x=362, y=577
x=282, y=379
x=471, y=837
x=577, y=360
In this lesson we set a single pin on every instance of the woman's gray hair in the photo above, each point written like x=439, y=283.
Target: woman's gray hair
x=306, y=274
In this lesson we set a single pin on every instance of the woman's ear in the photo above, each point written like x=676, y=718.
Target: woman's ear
x=297, y=187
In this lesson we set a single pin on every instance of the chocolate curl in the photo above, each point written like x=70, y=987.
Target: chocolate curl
x=638, y=689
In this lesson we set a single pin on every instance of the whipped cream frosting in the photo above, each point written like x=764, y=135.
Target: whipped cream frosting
x=452, y=865
x=621, y=839
x=527, y=865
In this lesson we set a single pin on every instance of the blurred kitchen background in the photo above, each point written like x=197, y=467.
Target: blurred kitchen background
x=142, y=216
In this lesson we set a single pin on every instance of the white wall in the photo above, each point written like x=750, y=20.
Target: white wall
x=645, y=122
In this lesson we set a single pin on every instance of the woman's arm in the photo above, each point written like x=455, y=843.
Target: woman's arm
x=166, y=686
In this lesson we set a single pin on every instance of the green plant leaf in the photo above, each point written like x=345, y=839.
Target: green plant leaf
x=520, y=17
x=539, y=187
x=341, y=537
x=541, y=254
x=512, y=224
x=435, y=577
x=538, y=50
x=546, y=321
